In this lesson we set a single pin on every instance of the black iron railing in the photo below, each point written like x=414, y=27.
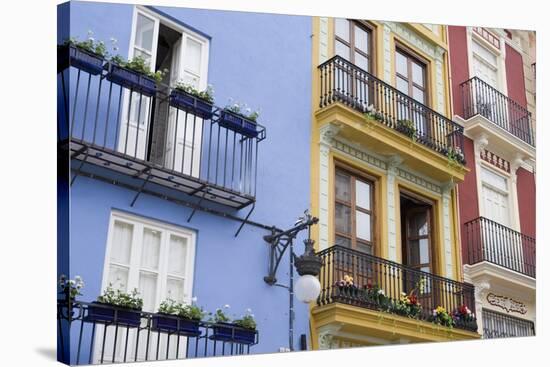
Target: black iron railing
x=479, y=98
x=87, y=336
x=116, y=126
x=371, y=274
x=490, y=241
x=344, y=82
x=498, y=325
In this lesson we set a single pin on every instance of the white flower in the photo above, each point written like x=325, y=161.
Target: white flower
x=115, y=48
x=381, y=292
x=226, y=306
x=252, y=315
x=248, y=310
x=91, y=39
x=90, y=33
x=194, y=299
x=113, y=40
x=370, y=108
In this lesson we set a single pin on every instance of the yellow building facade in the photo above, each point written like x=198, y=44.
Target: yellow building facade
x=385, y=163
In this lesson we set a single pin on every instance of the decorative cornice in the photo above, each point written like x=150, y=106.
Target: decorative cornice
x=411, y=177
x=506, y=303
x=359, y=154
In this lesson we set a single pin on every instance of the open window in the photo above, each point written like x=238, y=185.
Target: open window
x=152, y=130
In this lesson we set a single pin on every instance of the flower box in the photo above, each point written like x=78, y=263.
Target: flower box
x=132, y=80
x=238, y=123
x=190, y=103
x=224, y=331
x=79, y=58
x=172, y=323
x=103, y=313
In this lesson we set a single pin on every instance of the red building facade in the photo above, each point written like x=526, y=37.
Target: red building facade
x=497, y=198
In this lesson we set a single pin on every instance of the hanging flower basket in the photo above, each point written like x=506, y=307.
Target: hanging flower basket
x=79, y=58
x=105, y=314
x=132, y=80
x=190, y=103
x=238, y=123
x=225, y=331
x=170, y=323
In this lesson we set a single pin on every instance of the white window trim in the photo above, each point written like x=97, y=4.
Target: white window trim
x=511, y=191
x=472, y=36
x=139, y=222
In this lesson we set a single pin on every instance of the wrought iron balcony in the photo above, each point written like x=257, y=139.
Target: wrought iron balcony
x=479, y=98
x=490, y=241
x=89, y=336
x=105, y=122
x=498, y=325
x=371, y=274
x=344, y=82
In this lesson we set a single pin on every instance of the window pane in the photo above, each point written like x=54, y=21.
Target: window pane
x=361, y=61
x=342, y=218
x=414, y=253
x=418, y=224
x=402, y=85
x=177, y=255
x=343, y=187
x=401, y=64
x=424, y=251
x=494, y=179
x=418, y=74
x=144, y=32
x=122, y=242
x=342, y=50
x=484, y=53
x=144, y=55
x=342, y=241
x=148, y=290
x=361, y=39
x=362, y=194
x=363, y=247
x=175, y=289
x=150, y=251
x=418, y=94
x=363, y=225
x=192, y=56
x=342, y=28
x=118, y=277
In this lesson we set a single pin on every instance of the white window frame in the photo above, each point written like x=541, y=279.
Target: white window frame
x=502, y=85
x=166, y=230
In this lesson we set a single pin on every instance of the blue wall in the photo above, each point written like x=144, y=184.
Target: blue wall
x=263, y=60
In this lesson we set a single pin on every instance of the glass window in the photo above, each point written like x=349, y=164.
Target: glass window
x=401, y=64
x=418, y=74
x=361, y=39
x=353, y=216
x=353, y=42
x=341, y=27
x=342, y=50
x=144, y=32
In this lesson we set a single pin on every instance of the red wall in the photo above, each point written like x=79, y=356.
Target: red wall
x=514, y=76
x=467, y=195
x=527, y=202
x=458, y=56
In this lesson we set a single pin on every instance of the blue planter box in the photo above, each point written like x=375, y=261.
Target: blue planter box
x=170, y=324
x=106, y=314
x=132, y=80
x=187, y=102
x=238, y=123
x=231, y=333
x=79, y=58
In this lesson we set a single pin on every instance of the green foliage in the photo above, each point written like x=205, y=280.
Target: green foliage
x=440, y=316
x=186, y=311
x=455, y=156
x=206, y=95
x=247, y=322
x=138, y=64
x=121, y=299
x=407, y=127
x=71, y=287
x=243, y=111
x=95, y=47
x=220, y=315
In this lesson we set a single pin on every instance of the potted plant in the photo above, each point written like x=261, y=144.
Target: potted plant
x=375, y=296
x=440, y=316
x=373, y=114
x=463, y=316
x=174, y=316
x=346, y=288
x=455, y=156
x=188, y=98
x=134, y=75
x=407, y=305
x=70, y=288
x=406, y=127
x=240, y=119
x=116, y=306
x=85, y=55
x=240, y=330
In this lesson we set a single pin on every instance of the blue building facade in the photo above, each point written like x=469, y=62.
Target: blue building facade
x=261, y=59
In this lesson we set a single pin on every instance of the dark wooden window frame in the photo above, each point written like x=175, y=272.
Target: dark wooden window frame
x=413, y=57
x=370, y=29
x=355, y=175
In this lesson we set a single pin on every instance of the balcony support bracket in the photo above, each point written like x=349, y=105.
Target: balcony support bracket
x=245, y=219
x=145, y=170
x=85, y=150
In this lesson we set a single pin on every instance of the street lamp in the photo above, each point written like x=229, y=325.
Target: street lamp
x=308, y=266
